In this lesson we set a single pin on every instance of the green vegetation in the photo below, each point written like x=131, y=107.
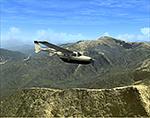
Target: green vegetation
x=11, y=55
x=38, y=102
x=116, y=64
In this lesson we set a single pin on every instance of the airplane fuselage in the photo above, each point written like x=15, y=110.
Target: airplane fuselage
x=78, y=59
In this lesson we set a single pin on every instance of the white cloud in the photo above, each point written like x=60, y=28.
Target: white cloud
x=41, y=33
x=144, y=35
x=12, y=37
x=58, y=37
x=133, y=37
x=13, y=33
x=105, y=34
x=15, y=36
x=145, y=30
x=14, y=30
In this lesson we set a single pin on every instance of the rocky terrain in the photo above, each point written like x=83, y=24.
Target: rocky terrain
x=116, y=84
x=44, y=102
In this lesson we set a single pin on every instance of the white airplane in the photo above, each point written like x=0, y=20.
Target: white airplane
x=64, y=54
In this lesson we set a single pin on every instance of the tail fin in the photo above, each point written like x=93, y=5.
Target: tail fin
x=37, y=47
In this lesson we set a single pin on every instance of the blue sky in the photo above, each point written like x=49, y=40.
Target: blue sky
x=61, y=21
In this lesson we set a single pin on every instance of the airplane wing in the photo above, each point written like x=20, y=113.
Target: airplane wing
x=63, y=50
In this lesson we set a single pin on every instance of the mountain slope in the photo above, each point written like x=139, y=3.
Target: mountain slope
x=44, y=102
x=10, y=55
x=115, y=65
x=116, y=84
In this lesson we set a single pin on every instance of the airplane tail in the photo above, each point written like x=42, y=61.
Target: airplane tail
x=37, y=47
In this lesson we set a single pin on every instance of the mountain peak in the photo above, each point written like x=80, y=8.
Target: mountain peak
x=105, y=41
x=109, y=39
x=125, y=44
x=106, y=38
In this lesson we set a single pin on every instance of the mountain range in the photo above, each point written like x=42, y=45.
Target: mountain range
x=117, y=64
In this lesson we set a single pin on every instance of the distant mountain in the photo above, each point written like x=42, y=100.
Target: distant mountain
x=24, y=48
x=44, y=86
x=116, y=63
x=10, y=55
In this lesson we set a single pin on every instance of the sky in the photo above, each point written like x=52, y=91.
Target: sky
x=65, y=21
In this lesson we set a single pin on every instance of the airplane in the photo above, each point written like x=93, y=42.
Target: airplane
x=64, y=54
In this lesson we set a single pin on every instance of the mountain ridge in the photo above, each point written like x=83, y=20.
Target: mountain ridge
x=114, y=66
x=116, y=84
x=78, y=102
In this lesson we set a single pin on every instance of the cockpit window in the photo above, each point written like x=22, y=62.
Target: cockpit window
x=76, y=54
x=79, y=54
